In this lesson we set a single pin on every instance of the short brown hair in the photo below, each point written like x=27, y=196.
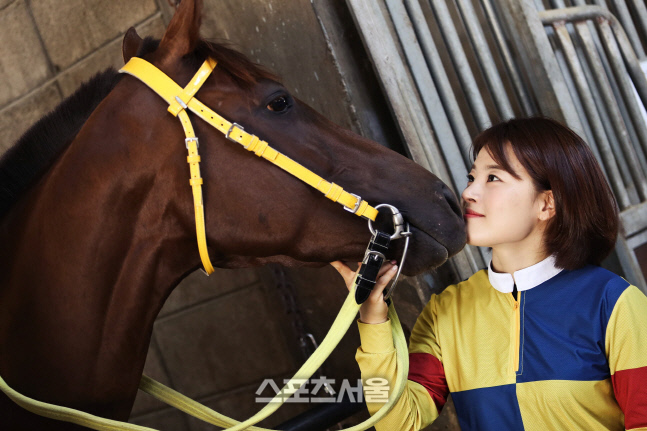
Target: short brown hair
x=585, y=225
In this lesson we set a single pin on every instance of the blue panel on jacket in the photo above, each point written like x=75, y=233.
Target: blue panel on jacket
x=565, y=321
x=488, y=409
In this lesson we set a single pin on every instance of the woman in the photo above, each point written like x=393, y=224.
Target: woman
x=544, y=339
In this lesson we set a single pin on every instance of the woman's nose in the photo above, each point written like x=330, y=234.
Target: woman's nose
x=469, y=194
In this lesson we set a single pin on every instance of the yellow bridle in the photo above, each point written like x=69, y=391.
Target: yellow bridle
x=180, y=99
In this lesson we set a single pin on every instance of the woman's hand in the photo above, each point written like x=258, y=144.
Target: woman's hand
x=374, y=309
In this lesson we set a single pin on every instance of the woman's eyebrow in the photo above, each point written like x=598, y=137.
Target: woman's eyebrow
x=498, y=167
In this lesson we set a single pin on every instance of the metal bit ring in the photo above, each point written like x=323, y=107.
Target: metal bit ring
x=398, y=221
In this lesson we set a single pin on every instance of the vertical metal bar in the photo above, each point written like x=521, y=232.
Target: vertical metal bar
x=624, y=16
x=598, y=13
x=631, y=61
x=484, y=55
x=535, y=53
x=485, y=254
x=634, y=137
x=439, y=75
x=558, y=4
x=521, y=92
x=399, y=89
x=590, y=138
x=427, y=90
x=614, y=111
x=588, y=129
x=613, y=137
x=592, y=113
x=606, y=122
x=469, y=257
x=640, y=12
x=606, y=134
x=602, y=3
x=560, y=58
x=599, y=47
x=464, y=72
x=620, y=72
x=630, y=264
x=378, y=36
x=624, y=251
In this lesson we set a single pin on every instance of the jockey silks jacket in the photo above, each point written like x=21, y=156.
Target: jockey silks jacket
x=569, y=354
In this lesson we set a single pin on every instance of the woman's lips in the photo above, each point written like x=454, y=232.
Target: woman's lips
x=472, y=214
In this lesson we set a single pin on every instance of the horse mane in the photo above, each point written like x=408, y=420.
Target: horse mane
x=41, y=145
x=30, y=157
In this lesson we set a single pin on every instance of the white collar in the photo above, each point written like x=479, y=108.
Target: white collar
x=526, y=278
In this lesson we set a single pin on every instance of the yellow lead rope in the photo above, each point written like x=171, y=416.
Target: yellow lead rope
x=67, y=414
x=339, y=327
x=345, y=318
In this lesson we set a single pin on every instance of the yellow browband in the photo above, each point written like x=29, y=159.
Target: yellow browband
x=179, y=99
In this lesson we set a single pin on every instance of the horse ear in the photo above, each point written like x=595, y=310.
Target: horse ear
x=183, y=32
x=131, y=44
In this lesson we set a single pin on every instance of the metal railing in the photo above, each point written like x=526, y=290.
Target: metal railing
x=448, y=72
x=452, y=68
x=600, y=64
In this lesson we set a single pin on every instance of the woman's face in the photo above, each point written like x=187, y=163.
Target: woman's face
x=500, y=209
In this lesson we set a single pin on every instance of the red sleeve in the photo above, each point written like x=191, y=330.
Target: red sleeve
x=626, y=342
x=630, y=388
x=427, y=370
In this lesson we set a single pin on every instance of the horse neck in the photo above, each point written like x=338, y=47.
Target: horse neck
x=88, y=259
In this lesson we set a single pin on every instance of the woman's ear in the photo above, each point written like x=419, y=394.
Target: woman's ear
x=547, y=208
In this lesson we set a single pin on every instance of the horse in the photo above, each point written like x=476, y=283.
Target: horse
x=97, y=227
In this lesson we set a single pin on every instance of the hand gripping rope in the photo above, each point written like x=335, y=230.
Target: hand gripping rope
x=374, y=256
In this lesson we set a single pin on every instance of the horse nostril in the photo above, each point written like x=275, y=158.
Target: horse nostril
x=452, y=201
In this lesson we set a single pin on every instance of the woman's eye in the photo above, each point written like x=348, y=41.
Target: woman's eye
x=470, y=178
x=279, y=104
x=493, y=178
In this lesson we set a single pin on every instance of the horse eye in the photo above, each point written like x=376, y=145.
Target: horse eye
x=279, y=104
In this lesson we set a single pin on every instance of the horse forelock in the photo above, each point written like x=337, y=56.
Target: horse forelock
x=244, y=71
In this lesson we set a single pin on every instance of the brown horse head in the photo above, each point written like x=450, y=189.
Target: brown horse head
x=255, y=212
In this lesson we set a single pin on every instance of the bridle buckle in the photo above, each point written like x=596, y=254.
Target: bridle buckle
x=357, y=204
x=195, y=138
x=232, y=128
